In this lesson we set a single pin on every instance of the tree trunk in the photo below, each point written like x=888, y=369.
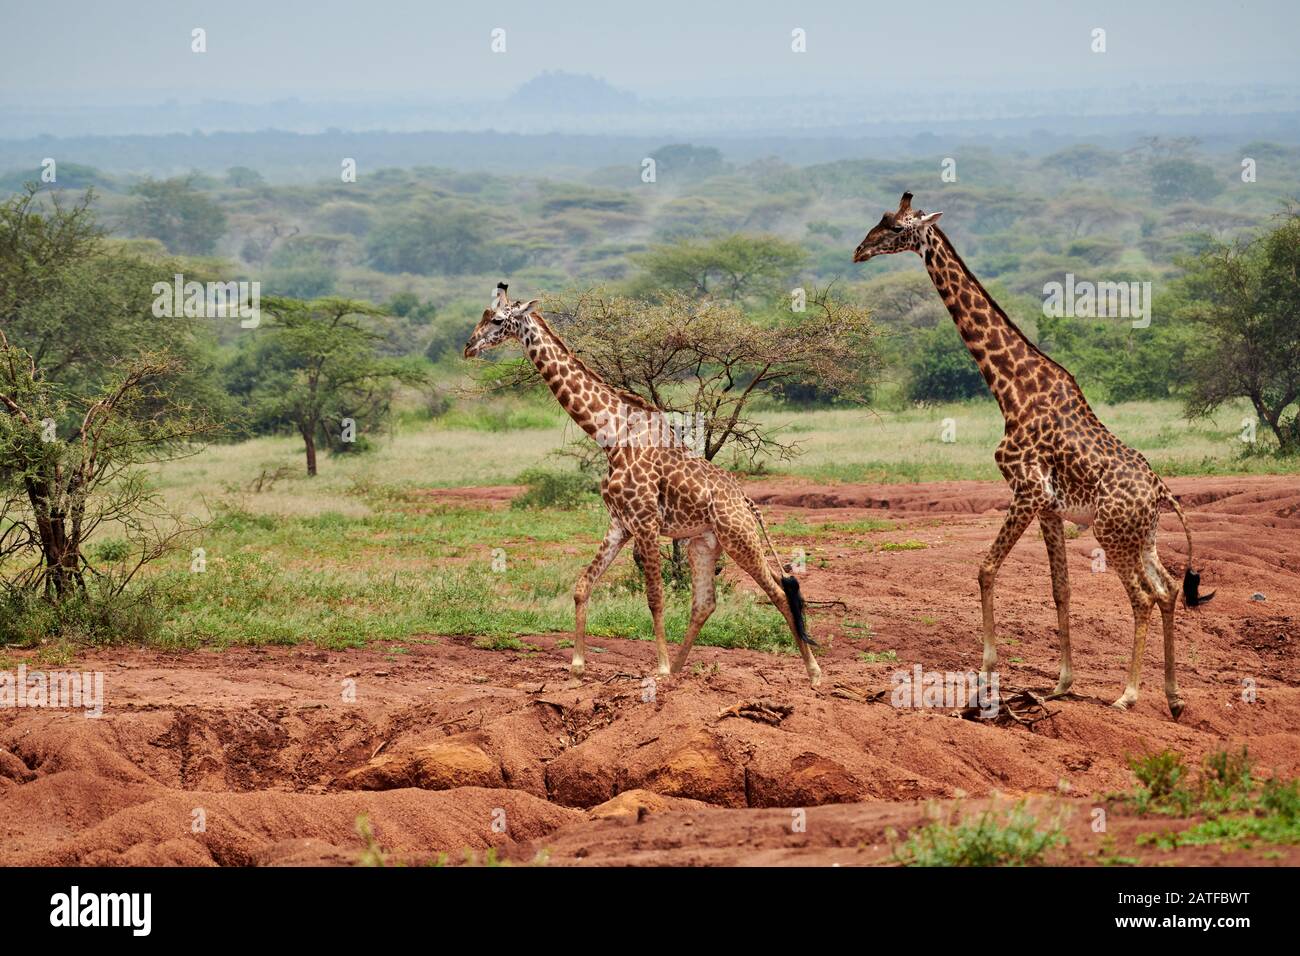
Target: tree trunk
x=61, y=556
x=309, y=439
x=60, y=552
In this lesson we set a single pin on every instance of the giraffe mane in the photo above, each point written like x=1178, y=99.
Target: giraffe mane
x=974, y=279
x=631, y=398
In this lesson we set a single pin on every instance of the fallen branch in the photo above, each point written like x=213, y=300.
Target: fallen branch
x=861, y=696
x=839, y=604
x=1023, y=707
x=764, y=711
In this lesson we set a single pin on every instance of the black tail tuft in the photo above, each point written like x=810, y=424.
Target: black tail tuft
x=792, y=594
x=1192, y=589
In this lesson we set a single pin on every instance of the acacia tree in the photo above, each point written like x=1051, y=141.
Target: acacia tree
x=708, y=361
x=56, y=490
x=316, y=363
x=735, y=267
x=1244, y=297
x=173, y=211
x=93, y=386
x=72, y=302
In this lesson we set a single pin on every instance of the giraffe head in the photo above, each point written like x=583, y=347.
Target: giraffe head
x=904, y=230
x=503, y=320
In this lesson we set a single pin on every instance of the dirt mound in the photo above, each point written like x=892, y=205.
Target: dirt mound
x=451, y=749
x=201, y=828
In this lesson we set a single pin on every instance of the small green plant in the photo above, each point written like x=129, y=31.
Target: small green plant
x=490, y=858
x=1159, y=773
x=878, y=657
x=565, y=490
x=863, y=526
x=504, y=642
x=111, y=550
x=1107, y=854
x=1241, y=830
x=372, y=854
x=1282, y=798
x=1225, y=774
x=1239, y=811
x=909, y=545
x=1225, y=782
x=1011, y=838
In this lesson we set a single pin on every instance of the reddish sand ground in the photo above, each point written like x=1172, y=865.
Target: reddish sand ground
x=450, y=749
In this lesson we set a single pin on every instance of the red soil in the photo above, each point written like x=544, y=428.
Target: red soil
x=451, y=749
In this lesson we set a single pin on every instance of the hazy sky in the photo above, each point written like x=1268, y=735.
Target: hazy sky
x=139, y=50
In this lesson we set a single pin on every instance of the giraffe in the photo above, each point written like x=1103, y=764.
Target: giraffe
x=1059, y=459
x=654, y=488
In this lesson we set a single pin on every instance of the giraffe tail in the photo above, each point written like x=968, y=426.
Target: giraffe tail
x=789, y=583
x=1191, y=580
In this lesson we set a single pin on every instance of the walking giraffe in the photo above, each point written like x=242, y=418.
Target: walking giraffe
x=1059, y=459
x=654, y=488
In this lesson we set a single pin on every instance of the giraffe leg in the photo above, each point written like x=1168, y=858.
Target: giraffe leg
x=746, y=550
x=1022, y=512
x=647, y=549
x=1139, y=595
x=1054, y=535
x=1166, y=597
x=615, y=538
x=703, y=554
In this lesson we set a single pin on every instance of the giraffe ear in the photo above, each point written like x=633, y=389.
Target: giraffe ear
x=930, y=218
x=529, y=306
x=487, y=314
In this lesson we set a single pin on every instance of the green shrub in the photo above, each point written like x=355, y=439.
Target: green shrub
x=1224, y=773
x=1160, y=773
x=111, y=550
x=97, y=616
x=1010, y=839
x=940, y=369
x=555, y=489
x=1282, y=798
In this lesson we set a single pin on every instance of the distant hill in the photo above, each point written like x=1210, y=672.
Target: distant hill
x=560, y=92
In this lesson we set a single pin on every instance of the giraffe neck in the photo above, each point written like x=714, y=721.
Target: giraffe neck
x=1006, y=358
x=579, y=390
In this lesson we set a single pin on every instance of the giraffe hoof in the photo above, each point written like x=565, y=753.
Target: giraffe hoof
x=577, y=668
x=1176, y=707
x=815, y=677
x=1121, y=704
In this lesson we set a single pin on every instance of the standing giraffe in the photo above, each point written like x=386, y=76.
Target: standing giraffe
x=1059, y=459
x=654, y=488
